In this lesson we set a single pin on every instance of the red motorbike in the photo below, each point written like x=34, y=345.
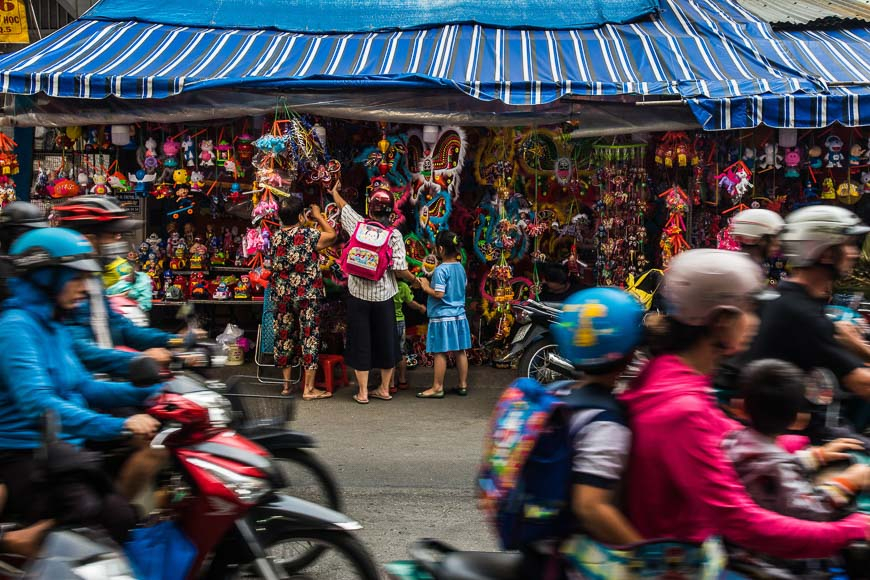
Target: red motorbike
x=221, y=495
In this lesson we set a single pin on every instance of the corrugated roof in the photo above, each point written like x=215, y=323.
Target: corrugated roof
x=810, y=13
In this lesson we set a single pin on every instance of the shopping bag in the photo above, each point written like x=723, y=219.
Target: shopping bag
x=160, y=552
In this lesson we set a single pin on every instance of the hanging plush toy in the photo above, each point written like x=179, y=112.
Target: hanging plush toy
x=188, y=153
x=770, y=159
x=835, y=156
x=792, y=163
x=206, y=155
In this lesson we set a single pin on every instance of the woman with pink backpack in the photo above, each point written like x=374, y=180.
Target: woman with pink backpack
x=372, y=259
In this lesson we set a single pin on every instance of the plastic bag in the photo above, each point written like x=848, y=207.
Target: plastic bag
x=160, y=552
x=230, y=336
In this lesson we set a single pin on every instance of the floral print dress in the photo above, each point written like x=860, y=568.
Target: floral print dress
x=297, y=290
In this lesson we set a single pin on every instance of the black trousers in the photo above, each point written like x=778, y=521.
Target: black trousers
x=372, y=342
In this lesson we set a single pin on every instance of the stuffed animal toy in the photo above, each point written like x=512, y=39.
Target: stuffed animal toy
x=856, y=155
x=206, y=155
x=792, y=162
x=835, y=152
x=771, y=157
x=865, y=182
x=188, y=153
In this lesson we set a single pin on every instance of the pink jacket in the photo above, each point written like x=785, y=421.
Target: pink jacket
x=680, y=485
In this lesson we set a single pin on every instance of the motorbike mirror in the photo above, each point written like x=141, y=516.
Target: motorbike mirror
x=144, y=372
x=820, y=386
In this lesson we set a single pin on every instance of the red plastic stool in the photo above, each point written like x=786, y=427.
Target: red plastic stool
x=333, y=372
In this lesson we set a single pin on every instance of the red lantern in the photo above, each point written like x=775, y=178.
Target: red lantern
x=245, y=149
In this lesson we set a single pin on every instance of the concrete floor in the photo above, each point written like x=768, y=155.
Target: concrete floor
x=406, y=467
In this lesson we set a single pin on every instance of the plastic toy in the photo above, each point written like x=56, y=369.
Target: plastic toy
x=243, y=289
x=198, y=286
x=188, y=152
x=856, y=155
x=770, y=158
x=100, y=186
x=198, y=255
x=835, y=156
x=865, y=182
x=222, y=292
x=792, y=162
x=179, y=259
x=206, y=155
x=180, y=177
x=814, y=155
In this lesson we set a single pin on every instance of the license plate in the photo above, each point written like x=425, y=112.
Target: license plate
x=521, y=333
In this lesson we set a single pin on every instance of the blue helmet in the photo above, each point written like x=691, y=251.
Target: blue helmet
x=599, y=327
x=53, y=248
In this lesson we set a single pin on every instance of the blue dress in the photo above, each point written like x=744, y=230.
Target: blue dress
x=448, y=326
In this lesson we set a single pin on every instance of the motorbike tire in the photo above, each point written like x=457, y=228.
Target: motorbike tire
x=352, y=549
x=328, y=486
x=524, y=367
x=325, y=480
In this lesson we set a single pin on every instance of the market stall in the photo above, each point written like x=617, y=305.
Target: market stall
x=570, y=148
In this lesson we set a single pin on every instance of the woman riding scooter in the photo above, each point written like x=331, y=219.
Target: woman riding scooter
x=39, y=371
x=757, y=231
x=680, y=483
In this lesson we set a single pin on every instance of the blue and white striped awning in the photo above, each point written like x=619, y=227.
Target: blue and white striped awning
x=840, y=59
x=689, y=50
x=731, y=67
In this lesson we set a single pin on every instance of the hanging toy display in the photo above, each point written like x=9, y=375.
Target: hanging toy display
x=549, y=160
x=736, y=180
x=673, y=239
x=620, y=236
x=8, y=168
x=675, y=150
x=495, y=160
x=387, y=168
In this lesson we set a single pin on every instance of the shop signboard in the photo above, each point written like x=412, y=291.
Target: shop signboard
x=13, y=22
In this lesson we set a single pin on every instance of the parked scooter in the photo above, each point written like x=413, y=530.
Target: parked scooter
x=533, y=344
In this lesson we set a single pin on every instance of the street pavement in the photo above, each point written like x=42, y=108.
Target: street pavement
x=407, y=466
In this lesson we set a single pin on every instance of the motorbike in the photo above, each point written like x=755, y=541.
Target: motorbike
x=221, y=492
x=308, y=478
x=535, y=347
x=435, y=560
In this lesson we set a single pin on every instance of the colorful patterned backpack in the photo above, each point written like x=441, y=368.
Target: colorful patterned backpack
x=525, y=476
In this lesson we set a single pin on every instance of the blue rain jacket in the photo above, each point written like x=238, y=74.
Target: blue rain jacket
x=124, y=333
x=39, y=370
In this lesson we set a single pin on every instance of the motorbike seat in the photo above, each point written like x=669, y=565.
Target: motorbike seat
x=481, y=566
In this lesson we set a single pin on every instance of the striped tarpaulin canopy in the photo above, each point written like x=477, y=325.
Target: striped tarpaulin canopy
x=694, y=48
x=837, y=58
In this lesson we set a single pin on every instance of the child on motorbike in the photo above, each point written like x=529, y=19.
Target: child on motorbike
x=774, y=393
x=682, y=484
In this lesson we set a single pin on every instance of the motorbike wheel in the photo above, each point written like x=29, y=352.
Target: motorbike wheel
x=344, y=557
x=312, y=481
x=309, y=478
x=534, y=363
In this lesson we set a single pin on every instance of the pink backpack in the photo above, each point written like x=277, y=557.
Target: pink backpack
x=368, y=253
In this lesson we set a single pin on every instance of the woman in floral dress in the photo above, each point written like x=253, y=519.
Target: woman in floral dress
x=297, y=291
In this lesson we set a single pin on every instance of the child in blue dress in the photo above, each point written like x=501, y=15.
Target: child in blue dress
x=448, y=327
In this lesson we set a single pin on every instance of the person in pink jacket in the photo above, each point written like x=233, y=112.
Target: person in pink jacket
x=680, y=484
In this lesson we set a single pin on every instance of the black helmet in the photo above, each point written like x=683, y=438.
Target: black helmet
x=18, y=218
x=94, y=214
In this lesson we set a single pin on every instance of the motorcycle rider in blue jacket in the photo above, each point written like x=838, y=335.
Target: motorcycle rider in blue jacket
x=94, y=326
x=39, y=370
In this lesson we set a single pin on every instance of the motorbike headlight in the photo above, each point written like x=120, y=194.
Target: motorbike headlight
x=112, y=567
x=247, y=489
x=220, y=412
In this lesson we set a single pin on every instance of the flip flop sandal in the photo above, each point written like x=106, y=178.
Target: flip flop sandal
x=381, y=397
x=321, y=395
x=423, y=395
x=360, y=401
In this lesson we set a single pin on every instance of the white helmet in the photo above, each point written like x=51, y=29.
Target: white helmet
x=751, y=225
x=700, y=282
x=811, y=230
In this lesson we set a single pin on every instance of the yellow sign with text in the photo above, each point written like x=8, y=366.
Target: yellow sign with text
x=13, y=22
